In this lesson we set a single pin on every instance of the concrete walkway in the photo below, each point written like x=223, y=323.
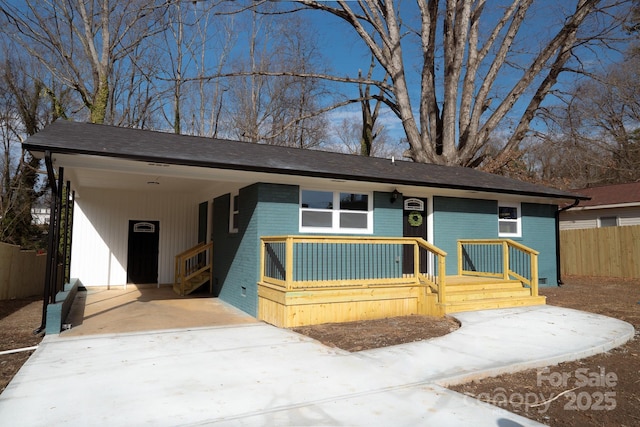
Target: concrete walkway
x=256, y=374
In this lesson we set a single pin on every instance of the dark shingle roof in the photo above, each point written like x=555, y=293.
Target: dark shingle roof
x=611, y=194
x=101, y=140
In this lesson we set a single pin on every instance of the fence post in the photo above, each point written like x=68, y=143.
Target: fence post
x=289, y=263
x=459, y=258
x=505, y=260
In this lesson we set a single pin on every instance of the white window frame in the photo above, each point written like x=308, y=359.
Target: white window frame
x=233, y=212
x=606, y=217
x=335, y=218
x=517, y=221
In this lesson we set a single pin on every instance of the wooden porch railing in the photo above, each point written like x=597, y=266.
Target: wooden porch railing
x=191, y=264
x=322, y=262
x=502, y=258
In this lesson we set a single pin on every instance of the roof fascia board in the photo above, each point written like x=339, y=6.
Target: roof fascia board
x=611, y=206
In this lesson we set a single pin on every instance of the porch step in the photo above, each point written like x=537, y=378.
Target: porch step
x=483, y=294
x=192, y=284
x=491, y=303
x=485, y=284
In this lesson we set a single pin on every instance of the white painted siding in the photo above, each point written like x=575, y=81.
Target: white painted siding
x=100, y=232
x=571, y=220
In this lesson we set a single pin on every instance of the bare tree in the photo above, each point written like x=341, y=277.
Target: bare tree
x=593, y=137
x=475, y=65
x=279, y=108
x=197, y=44
x=22, y=112
x=81, y=41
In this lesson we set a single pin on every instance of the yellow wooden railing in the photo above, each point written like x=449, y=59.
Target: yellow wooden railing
x=502, y=258
x=322, y=262
x=191, y=263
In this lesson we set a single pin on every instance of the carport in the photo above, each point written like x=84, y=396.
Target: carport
x=120, y=309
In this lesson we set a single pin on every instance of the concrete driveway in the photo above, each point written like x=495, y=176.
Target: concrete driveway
x=256, y=374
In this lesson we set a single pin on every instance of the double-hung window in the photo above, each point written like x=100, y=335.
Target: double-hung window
x=509, y=220
x=336, y=212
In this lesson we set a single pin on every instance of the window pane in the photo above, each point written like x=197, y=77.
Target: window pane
x=235, y=203
x=353, y=220
x=316, y=219
x=234, y=225
x=354, y=202
x=317, y=199
x=507, y=212
x=608, y=221
x=508, y=227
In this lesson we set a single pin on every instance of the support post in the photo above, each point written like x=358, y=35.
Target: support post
x=505, y=260
x=289, y=263
x=416, y=262
x=51, y=249
x=534, y=275
x=442, y=273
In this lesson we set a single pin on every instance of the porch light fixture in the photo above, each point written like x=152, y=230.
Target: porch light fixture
x=394, y=196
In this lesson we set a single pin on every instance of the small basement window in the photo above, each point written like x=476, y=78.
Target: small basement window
x=509, y=220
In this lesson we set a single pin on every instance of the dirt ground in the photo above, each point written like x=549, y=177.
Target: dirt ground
x=18, y=319
x=602, y=390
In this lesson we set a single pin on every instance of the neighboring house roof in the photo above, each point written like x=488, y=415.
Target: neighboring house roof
x=66, y=137
x=610, y=196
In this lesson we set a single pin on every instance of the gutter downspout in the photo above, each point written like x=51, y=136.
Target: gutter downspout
x=50, y=245
x=558, y=261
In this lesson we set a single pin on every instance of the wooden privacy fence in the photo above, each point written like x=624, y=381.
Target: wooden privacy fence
x=607, y=252
x=21, y=272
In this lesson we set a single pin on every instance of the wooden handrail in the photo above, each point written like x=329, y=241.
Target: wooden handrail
x=194, y=249
x=181, y=275
x=511, y=243
x=507, y=272
x=282, y=267
x=440, y=284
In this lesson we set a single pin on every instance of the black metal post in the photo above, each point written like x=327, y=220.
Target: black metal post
x=72, y=205
x=55, y=273
x=51, y=241
x=65, y=238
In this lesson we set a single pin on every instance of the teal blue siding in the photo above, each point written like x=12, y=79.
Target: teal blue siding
x=538, y=232
x=387, y=216
x=265, y=209
x=273, y=210
x=456, y=218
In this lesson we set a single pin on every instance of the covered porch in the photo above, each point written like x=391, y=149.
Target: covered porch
x=307, y=280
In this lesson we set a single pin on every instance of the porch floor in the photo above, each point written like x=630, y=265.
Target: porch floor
x=106, y=311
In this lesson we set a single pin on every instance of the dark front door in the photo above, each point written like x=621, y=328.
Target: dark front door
x=203, y=218
x=142, y=256
x=414, y=220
